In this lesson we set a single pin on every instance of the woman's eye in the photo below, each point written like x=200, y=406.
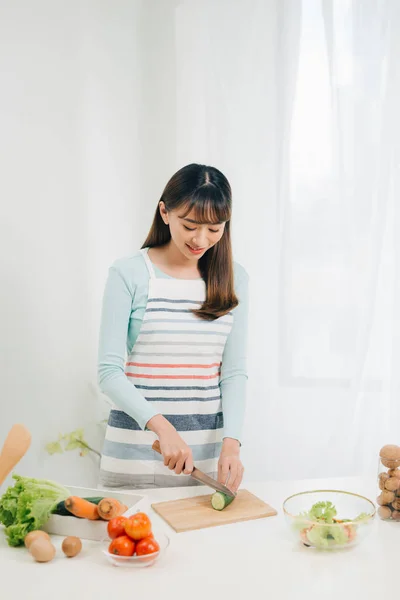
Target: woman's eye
x=189, y=229
x=214, y=230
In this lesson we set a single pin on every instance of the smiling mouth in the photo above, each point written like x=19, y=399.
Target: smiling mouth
x=195, y=249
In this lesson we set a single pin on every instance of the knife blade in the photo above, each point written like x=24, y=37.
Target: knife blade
x=202, y=477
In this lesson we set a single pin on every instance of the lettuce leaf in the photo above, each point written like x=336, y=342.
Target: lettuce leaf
x=28, y=505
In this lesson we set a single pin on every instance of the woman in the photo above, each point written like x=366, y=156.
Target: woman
x=179, y=309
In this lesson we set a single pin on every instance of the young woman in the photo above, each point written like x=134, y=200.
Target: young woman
x=172, y=352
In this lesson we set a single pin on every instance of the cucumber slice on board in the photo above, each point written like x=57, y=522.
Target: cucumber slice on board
x=219, y=501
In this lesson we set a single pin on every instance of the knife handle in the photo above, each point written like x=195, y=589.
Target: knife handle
x=156, y=446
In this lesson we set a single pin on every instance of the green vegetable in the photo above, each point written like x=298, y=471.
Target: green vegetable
x=320, y=527
x=219, y=500
x=324, y=536
x=322, y=511
x=27, y=506
x=61, y=511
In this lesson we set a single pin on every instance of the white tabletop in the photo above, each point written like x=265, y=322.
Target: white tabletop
x=240, y=561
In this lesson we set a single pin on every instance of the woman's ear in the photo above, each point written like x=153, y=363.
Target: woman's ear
x=163, y=212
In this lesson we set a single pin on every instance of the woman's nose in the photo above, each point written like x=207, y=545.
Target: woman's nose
x=198, y=241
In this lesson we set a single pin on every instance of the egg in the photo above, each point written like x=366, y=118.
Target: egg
x=34, y=535
x=396, y=515
x=71, y=546
x=42, y=550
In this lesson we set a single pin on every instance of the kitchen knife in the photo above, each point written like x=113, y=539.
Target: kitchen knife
x=202, y=477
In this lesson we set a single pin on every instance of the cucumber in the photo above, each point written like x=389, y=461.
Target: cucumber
x=219, y=500
x=61, y=511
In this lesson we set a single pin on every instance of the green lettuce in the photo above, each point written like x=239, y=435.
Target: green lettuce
x=325, y=536
x=321, y=528
x=322, y=511
x=27, y=506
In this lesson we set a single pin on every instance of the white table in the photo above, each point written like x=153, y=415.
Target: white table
x=253, y=559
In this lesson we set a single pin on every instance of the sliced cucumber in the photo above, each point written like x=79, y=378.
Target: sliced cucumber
x=219, y=500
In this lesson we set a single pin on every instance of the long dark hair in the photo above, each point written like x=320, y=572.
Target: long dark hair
x=206, y=191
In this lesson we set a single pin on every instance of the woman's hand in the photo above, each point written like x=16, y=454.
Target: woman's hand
x=230, y=468
x=176, y=453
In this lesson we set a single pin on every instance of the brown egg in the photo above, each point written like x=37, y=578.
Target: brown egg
x=396, y=515
x=34, y=535
x=42, y=550
x=383, y=477
x=392, y=484
x=384, y=512
x=71, y=546
x=385, y=497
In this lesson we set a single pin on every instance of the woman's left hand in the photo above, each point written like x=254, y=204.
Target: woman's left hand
x=230, y=468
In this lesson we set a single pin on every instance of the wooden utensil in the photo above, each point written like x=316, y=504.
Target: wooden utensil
x=15, y=446
x=197, y=513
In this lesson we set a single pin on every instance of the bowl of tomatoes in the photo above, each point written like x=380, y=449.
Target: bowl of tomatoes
x=131, y=541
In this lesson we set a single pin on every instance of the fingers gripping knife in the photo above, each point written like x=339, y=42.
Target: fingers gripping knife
x=202, y=477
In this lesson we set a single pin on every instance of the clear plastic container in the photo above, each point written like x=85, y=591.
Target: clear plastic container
x=388, y=498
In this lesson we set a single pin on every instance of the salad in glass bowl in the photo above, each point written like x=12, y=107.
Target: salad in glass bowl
x=329, y=519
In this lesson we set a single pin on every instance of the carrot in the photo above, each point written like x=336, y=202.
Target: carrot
x=82, y=508
x=108, y=508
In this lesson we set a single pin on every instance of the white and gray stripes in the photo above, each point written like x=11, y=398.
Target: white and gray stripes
x=175, y=363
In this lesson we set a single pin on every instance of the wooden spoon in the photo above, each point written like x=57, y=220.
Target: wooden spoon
x=17, y=443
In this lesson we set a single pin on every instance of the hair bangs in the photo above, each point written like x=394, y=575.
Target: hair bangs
x=209, y=206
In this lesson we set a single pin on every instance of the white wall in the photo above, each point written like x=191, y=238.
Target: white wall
x=87, y=127
x=100, y=102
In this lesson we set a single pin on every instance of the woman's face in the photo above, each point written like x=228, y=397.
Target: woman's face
x=193, y=239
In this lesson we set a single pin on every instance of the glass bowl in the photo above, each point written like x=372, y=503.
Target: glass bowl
x=136, y=561
x=348, y=527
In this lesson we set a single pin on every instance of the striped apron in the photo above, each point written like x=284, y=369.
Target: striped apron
x=175, y=363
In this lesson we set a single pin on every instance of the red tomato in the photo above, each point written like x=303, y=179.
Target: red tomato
x=147, y=545
x=115, y=527
x=122, y=545
x=138, y=526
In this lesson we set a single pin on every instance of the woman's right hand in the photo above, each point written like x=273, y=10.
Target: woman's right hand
x=176, y=453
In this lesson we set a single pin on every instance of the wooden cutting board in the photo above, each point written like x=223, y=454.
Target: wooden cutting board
x=197, y=513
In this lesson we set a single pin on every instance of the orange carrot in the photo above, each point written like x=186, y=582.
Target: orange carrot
x=82, y=508
x=108, y=508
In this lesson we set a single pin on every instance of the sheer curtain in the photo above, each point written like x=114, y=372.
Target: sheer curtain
x=339, y=315
x=296, y=101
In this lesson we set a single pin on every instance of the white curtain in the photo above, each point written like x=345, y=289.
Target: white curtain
x=296, y=101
